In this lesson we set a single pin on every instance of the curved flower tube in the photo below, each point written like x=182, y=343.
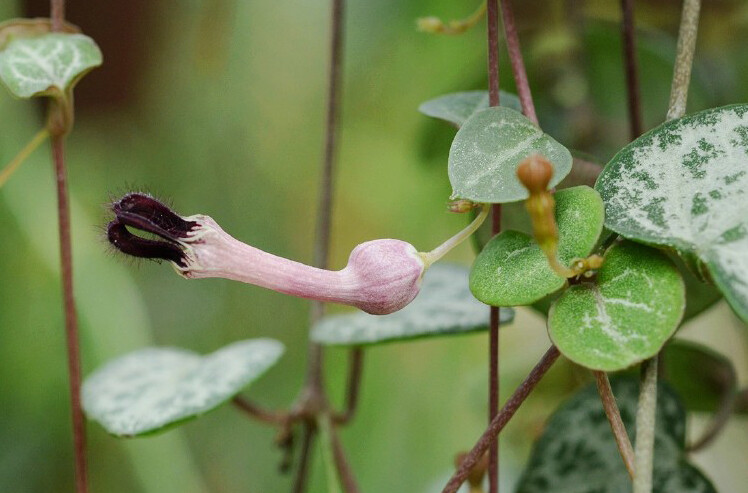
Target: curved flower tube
x=381, y=277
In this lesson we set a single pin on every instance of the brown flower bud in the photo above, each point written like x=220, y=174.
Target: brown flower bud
x=461, y=206
x=535, y=173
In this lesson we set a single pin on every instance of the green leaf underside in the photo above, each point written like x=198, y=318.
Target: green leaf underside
x=443, y=307
x=685, y=185
x=152, y=389
x=39, y=65
x=457, y=107
x=625, y=316
x=488, y=148
x=701, y=376
x=577, y=452
x=512, y=270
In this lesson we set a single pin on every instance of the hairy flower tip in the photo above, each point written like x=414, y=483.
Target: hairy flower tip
x=535, y=173
x=142, y=212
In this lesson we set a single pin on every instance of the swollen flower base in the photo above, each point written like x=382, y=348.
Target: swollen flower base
x=382, y=276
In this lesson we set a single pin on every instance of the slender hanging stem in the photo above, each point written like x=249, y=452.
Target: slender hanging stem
x=645, y=427
x=71, y=317
x=614, y=418
x=22, y=155
x=689, y=26
x=325, y=430
x=497, y=424
x=57, y=13
x=495, y=316
x=345, y=473
x=727, y=405
x=260, y=413
x=517, y=62
x=632, y=70
x=355, y=370
x=302, y=471
x=438, y=252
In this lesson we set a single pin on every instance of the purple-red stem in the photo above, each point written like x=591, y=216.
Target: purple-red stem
x=517, y=62
x=57, y=14
x=345, y=473
x=632, y=71
x=492, y=22
x=497, y=424
x=355, y=370
x=260, y=413
x=71, y=318
x=299, y=484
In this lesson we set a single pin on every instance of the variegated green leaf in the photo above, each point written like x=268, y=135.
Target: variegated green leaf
x=625, y=315
x=488, y=147
x=443, y=307
x=48, y=64
x=512, y=270
x=685, y=185
x=457, y=107
x=155, y=388
x=577, y=452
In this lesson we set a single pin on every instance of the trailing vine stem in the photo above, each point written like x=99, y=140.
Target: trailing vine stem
x=355, y=370
x=720, y=419
x=57, y=14
x=614, y=418
x=22, y=155
x=491, y=434
x=645, y=427
x=689, y=26
x=633, y=90
x=517, y=62
x=494, y=380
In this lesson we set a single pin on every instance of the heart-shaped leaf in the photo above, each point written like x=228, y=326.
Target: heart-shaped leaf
x=155, y=388
x=625, y=315
x=488, y=148
x=577, y=452
x=457, y=107
x=512, y=270
x=48, y=64
x=444, y=306
x=684, y=185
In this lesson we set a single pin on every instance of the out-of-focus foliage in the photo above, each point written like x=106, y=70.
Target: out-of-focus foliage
x=218, y=105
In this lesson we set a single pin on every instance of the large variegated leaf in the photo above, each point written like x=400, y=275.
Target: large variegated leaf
x=46, y=64
x=577, y=452
x=625, y=315
x=457, y=107
x=153, y=388
x=444, y=306
x=488, y=148
x=512, y=270
x=685, y=185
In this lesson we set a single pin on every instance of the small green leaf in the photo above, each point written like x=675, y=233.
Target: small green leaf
x=701, y=376
x=47, y=64
x=623, y=317
x=487, y=149
x=512, y=270
x=444, y=306
x=155, y=388
x=457, y=107
x=577, y=452
x=684, y=185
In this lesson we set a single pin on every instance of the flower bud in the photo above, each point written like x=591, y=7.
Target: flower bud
x=535, y=173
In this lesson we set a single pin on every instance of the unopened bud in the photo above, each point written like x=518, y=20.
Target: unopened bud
x=535, y=173
x=430, y=25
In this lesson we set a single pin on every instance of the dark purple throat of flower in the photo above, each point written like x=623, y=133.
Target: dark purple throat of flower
x=139, y=212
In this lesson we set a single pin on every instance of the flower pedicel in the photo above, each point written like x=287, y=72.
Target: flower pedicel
x=381, y=277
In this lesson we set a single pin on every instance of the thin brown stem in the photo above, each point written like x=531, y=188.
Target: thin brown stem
x=720, y=419
x=497, y=424
x=689, y=26
x=355, y=370
x=345, y=473
x=632, y=70
x=614, y=418
x=493, y=359
x=260, y=413
x=57, y=13
x=71, y=317
x=517, y=62
x=302, y=471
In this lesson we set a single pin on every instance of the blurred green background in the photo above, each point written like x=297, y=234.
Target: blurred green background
x=218, y=106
